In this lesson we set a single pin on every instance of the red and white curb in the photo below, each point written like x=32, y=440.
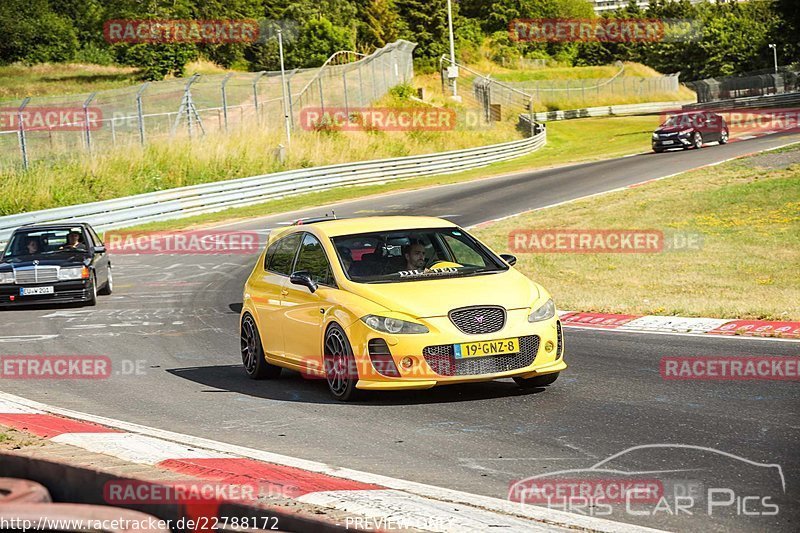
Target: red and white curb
x=380, y=498
x=760, y=329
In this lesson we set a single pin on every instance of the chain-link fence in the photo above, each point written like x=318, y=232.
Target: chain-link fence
x=590, y=91
x=757, y=83
x=495, y=100
x=47, y=127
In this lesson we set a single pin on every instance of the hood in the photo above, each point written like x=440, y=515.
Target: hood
x=62, y=260
x=437, y=297
x=674, y=129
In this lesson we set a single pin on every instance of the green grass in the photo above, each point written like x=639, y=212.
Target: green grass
x=749, y=218
x=19, y=81
x=566, y=144
x=576, y=73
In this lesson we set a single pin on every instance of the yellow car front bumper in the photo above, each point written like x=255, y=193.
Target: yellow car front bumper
x=427, y=360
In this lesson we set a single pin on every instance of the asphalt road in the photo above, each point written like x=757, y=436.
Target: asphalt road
x=179, y=314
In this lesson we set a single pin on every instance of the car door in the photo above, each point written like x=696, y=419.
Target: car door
x=100, y=258
x=303, y=310
x=266, y=290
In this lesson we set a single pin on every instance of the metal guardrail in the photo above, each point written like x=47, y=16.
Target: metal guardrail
x=609, y=110
x=210, y=197
x=753, y=102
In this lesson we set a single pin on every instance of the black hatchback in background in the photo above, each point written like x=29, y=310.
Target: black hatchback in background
x=690, y=130
x=51, y=263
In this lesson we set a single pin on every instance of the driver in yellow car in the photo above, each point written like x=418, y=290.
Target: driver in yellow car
x=415, y=255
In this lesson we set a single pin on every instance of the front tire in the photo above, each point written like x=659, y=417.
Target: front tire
x=92, y=289
x=537, y=381
x=109, y=286
x=253, y=352
x=340, y=365
x=697, y=140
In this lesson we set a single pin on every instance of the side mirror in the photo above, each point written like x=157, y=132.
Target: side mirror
x=303, y=278
x=99, y=249
x=510, y=259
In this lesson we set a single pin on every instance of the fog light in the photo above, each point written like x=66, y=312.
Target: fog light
x=407, y=362
x=548, y=347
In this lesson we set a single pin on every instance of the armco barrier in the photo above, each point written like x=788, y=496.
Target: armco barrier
x=753, y=102
x=210, y=197
x=609, y=110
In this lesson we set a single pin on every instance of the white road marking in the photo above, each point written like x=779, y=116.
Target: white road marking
x=14, y=408
x=675, y=323
x=404, y=510
x=27, y=338
x=712, y=336
x=134, y=448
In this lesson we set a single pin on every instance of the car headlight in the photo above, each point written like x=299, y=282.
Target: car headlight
x=386, y=324
x=73, y=273
x=684, y=133
x=655, y=136
x=6, y=277
x=545, y=312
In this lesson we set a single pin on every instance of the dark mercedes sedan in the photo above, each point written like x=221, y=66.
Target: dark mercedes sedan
x=690, y=130
x=52, y=263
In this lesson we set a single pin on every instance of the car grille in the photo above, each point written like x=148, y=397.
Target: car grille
x=478, y=320
x=36, y=275
x=442, y=360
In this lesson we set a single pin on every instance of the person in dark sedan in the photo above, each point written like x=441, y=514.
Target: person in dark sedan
x=32, y=245
x=73, y=242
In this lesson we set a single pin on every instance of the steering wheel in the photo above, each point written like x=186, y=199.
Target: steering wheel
x=438, y=263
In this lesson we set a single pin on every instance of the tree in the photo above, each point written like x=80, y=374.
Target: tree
x=379, y=24
x=426, y=22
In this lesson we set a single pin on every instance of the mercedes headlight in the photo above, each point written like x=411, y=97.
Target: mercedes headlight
x=386, y=324
x=6, y=277
x=684, y=133
x=73, y=273
x=655, y=136
x=545, y=312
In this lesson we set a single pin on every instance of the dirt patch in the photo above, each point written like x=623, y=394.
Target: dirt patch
x=776, y=160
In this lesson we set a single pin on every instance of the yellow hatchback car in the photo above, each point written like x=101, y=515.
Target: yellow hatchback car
x=386, y=303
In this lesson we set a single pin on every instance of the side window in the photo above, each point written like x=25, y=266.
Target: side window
x=312, y=259
x=463, y=253
x=283, y=256
x=95, y=239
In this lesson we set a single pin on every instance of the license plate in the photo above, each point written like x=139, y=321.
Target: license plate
x=28, y=291
x=667, y=142
x=486, y=348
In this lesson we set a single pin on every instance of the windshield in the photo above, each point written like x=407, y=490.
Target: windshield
x=37, y=242
x=412, y=255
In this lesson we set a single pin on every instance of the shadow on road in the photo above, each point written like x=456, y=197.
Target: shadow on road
x=292, y=387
